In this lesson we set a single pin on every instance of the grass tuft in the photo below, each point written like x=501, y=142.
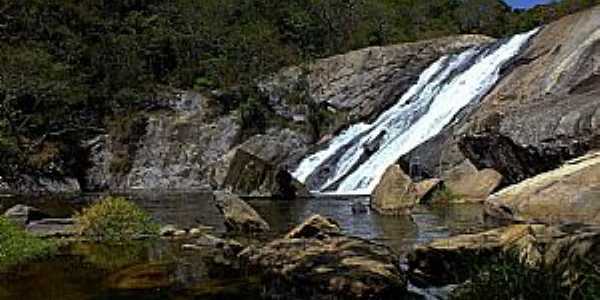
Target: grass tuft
x=17, y=246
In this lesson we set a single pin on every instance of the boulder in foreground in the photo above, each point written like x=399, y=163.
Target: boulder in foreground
x=561, y=249
x=314, y=264
x=570, y=193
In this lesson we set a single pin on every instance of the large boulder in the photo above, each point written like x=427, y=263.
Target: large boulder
x=249, y=175
x=544, y=111
x=325, y=265
x=558, y=248
x=395, y=194
x=239, y=216
x=570, y=193
x=471, y=184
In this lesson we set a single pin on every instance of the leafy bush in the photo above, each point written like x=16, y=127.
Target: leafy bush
x=17, y=246
x=115, y=219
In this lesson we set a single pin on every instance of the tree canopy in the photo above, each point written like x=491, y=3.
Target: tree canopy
x=67, y=67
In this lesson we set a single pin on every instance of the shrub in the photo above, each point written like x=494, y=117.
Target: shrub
x=506, y=277
x=115, y=219
x=17, y=246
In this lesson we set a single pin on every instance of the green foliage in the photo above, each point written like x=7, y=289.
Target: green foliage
x=115, y=219
x=506, y=277
x=17, y=246
x=68, y=67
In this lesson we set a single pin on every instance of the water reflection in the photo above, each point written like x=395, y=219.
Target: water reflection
x=83, y=270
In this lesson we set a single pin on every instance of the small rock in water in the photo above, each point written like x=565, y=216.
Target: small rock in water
x=359, y=208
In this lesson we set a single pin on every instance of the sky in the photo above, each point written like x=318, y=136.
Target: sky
x=525, y=3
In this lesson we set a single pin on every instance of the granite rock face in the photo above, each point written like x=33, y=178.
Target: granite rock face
x=363, y=83
x=544, y=111
x=567, y=194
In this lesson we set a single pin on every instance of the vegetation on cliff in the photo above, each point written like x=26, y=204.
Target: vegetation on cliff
x=69, y=68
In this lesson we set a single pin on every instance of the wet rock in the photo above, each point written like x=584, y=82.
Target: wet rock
x=249, y=175
x=560, y=248
x=239, y=216
x=52, y=228
x=395, y=194
x=22, y=214
x=316, y=226
x=567, y=194
x=324, y=266
x=471, y=184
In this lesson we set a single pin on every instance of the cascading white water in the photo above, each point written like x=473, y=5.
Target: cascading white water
x=443, y=89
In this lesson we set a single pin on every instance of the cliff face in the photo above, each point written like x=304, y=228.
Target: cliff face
x=544, y=111
x=187, y=146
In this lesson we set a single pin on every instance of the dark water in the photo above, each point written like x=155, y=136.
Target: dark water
x=87, y=271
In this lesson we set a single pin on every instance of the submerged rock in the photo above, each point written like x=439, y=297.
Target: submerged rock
x=570, y=193
x=395, y=194
x=312, y=262
x=239, y=216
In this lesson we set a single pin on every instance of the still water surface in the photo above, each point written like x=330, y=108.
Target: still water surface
x=85, y=271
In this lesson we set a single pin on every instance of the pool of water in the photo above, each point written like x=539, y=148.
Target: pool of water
x=87, y=271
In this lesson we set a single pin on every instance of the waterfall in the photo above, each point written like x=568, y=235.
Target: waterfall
x=355, y=160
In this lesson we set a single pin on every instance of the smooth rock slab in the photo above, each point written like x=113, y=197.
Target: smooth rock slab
x=560, y=248
x=570, y=193
x=53, y=228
